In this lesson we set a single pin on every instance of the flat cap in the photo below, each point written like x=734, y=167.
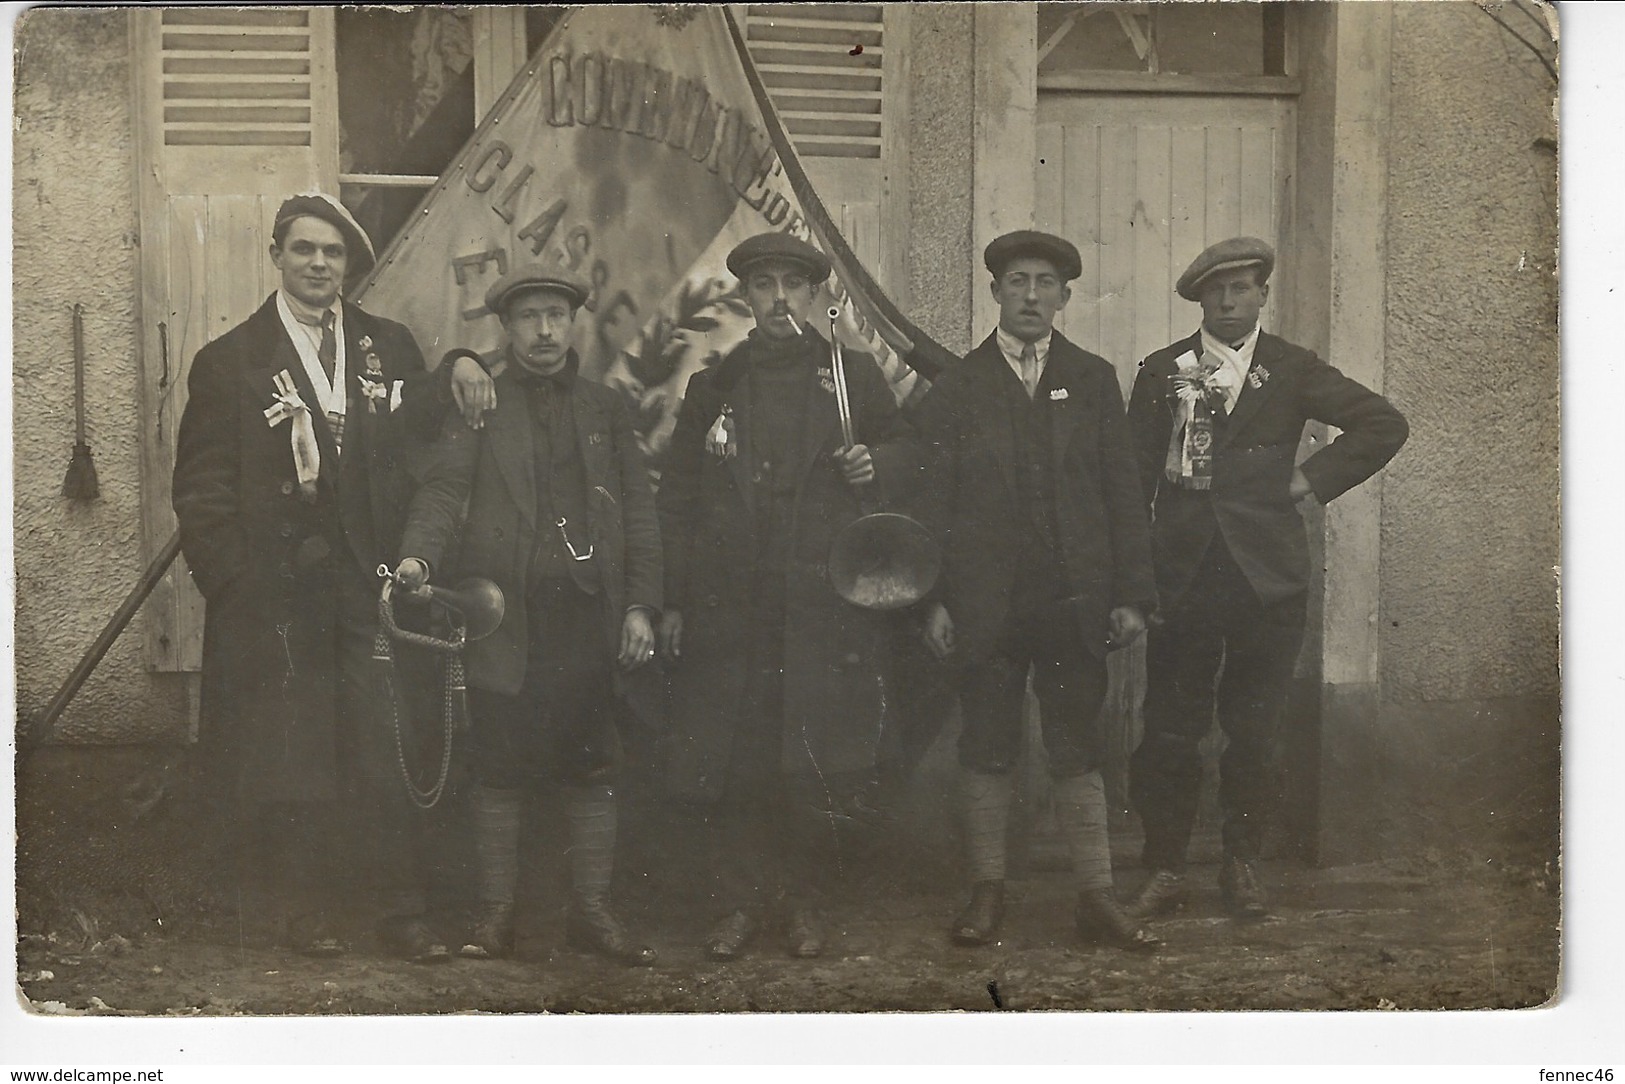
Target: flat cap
x=1046, y=246
x=1236, y=252
x=360, y=256
x=535, y=277
x=778, y=246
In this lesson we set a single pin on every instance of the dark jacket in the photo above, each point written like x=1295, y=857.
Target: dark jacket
x=269, y=562
x=1254, y=449
x=973, y=504
x=833, y=699
x=494, y=471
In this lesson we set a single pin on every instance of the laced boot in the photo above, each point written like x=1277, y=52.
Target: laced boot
x=979, y=922
x=1101, y=921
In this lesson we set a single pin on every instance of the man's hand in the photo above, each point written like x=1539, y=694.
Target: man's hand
x=1126, y=625
x=474, y=391
x=412, y=576
x=856, y=464
x=1299, y=488
x=939, y=631
x=637, y=639
x=671, y=635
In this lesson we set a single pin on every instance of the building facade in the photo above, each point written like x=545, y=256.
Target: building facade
x=1401, y=156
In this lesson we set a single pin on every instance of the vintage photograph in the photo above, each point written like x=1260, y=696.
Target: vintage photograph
x=786, y=508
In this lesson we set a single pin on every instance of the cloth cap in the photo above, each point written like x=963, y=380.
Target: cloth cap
x=533, y=277
x=360, y=256
x=1057, y=250
x=1236, y=252
x=778, y=246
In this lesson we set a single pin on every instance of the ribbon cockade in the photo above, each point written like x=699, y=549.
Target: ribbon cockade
x=307, y=456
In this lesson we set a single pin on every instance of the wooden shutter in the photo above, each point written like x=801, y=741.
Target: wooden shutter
x=234, y=109
x=836, y=75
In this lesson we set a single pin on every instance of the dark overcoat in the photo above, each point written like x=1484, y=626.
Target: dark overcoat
x=269, y=562
x=833, y=695
x=494, y=470
x=1254, y=449
x=972, y=498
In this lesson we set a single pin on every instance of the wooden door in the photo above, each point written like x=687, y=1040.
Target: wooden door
x=1141, y=184
x=234, y=108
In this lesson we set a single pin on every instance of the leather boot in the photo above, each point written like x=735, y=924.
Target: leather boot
x=804, y=932
x=491, y=937
x=1162, y=894
x=728, y=938
x=979, y=922
x=1101, y=921
x=593, y=927
x=411, y=938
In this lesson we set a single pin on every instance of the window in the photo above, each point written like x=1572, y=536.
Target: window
x=1245, y=39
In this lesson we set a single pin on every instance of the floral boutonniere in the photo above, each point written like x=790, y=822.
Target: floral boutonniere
x=826, y=379
x=1257, y=375
x=720, y=439
x=1196, y=382
x=1058, y=395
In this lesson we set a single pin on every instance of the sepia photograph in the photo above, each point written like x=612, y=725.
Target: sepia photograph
x=786, y=508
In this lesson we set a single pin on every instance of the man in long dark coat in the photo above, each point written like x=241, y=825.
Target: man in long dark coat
x=1031, y=486
x=291, y=485
x=1217, y=420
x=776, y=697
x=561, y=517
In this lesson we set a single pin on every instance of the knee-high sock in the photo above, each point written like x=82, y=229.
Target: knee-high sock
x=1080, y=814
x=593, y=819
x=496, y=842
x=985, y=805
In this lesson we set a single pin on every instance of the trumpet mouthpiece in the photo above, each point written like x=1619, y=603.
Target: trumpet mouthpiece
x=834, y=313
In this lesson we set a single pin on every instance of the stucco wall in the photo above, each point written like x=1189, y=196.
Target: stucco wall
x=75, y=239
x=1470, y=507
x=940, y=120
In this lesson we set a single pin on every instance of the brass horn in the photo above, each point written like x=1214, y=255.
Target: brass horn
x=882, y=560
x=478, y=601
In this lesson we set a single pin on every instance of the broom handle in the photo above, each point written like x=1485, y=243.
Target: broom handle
x=79, y=373
x=40, y=731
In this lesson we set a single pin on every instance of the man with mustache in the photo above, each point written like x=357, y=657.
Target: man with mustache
x=291, y=486
x=776, y=702
x=561, y=517
x=1030, y=484
x=1217, y=419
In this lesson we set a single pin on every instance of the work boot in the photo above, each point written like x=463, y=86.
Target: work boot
x=729, y=937
x=491, y=937
x=411, y=938
x=1101, y=921
x=311, y=935
x=1163, y=893
x=1242, y=891
x=804, y=932
x=593, y=927
x=979, y=922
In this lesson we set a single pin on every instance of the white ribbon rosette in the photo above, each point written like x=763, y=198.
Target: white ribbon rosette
x=307, y=456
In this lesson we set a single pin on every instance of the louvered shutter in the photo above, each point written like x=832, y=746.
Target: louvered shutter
x=838, y=88
x=234, y=110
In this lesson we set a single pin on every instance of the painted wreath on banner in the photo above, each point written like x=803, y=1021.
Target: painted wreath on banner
x=675, y=16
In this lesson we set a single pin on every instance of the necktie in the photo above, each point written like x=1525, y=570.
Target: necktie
x=1029, y=368
x=328, y=351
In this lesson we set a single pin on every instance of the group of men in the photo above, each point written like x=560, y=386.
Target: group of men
x=317, y=447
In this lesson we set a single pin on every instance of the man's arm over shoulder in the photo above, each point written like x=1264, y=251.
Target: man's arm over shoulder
x=207, y=484
x=1150, y=422
x=639, y=520
x=1133, y=579
x=1373, y=430
x=440, y=502
x=680, y=482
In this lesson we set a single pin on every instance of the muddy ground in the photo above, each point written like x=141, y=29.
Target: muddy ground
x=123, y=910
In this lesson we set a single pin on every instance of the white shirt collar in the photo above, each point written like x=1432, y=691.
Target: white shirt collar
x=1011, y=348
x=307, y=342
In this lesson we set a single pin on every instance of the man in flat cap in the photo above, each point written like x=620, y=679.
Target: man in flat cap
x=1217, y=421
x=1031, y=485
x=291, y=486
x=776, y=703
x=560, y=515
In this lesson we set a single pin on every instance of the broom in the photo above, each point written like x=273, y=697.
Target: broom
x=80, y=483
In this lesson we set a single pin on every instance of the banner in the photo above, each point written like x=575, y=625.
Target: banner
x=634, y=150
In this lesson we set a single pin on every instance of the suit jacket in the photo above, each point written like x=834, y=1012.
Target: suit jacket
x=833, y=700
x=971, y=496
x=270, y=562
x=1254, y=449
x=493, y=471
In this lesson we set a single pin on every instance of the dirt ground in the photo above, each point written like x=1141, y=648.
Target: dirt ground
x=107, y=926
